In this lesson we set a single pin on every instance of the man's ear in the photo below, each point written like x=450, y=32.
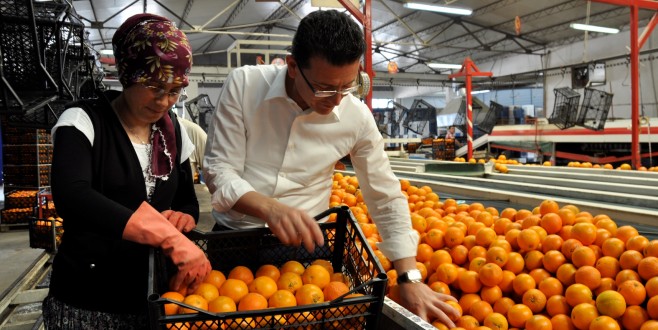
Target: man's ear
x=292, y=66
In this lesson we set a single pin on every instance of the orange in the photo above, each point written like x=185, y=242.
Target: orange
x=234, y=289
x=584, y=232
x=611, y=303
x=215, y=278
x=480, y=310
x=583, y=314
x=222, y=304
x=625, y=275
x=552, y=260
x=467, y=322
x=439, y=257
x=497, y=255
x=583, y=256
x=507, y=284
x=607, y=283
x=522, y=283
x=171, y=309
x=601, y=235
x=508, y=213
x=334, y=290
x=652, y=307
x=502, y=305
x=633, y=292
x=534, y=299
x=548, y=206
x=241, y=273
x=648, y=268
x=624, y=233
x=613, y=247
x=634, y=317
x=496, y=321
x=467, y=300
x=459, y=254
x=309, y=294
x=637, y=243
x=650, y=325
x=567, y=216
x=604, y=323
x=453, y=236
x=263, y=285
x=528, y=240
x=518, y=314
x=485, y=236
x=533, y=259
x=434, y=239
x=440, y=287
x=589, y=276
x=552, y=242
x=469, y=282
x=562, y=322
x=551, y=222
x=551, y=286
x=566, y=274
x=316, y=274
x=424, y=252
x=556, y=305
x=652, y=287
x=491, y=294
x=651, y=250
x=490, y=274
x=207, y=291
x=193, y=300
x=538, y=322
x=292, y=266
x=608, y=267
x=515, y=263
x=447, y=273
x=568, y=246
x=578, y=294
x=252, y=301
x=289, y=281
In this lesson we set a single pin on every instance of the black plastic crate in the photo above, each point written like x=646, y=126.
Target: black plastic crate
x=45, y=233
x=594, y=110
x=345, y=247
x=565, y=111
x=487, y=124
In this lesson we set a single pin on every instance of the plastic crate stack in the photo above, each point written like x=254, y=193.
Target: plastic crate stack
x=439, y=148
x=27, y=154
x=45, y=62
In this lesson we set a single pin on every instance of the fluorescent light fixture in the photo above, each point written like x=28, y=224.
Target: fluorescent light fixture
x=106, y=52
x=593, y=28
x=480, y=92
x=438, y=8
x=444, y=66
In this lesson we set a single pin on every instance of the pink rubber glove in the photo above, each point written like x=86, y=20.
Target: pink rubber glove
x=182, y=221
x=148, y=226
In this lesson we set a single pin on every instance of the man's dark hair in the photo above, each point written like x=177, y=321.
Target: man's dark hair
x=328, y=34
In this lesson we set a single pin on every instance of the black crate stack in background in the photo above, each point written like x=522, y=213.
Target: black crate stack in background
x=46, y=62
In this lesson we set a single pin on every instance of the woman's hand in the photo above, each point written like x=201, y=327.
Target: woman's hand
x=182, y=221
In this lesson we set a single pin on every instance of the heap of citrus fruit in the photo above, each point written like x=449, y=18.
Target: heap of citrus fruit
x=292, y=284
x=552, y=267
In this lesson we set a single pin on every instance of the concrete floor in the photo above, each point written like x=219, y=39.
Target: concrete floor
x=16, y=255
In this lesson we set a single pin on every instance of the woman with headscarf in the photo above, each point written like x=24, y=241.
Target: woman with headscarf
x=122, y=181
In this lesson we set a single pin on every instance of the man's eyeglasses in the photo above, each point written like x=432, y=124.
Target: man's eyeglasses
x=318, y=93
x=159, y=92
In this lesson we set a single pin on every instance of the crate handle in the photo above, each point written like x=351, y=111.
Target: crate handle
x=332, y=210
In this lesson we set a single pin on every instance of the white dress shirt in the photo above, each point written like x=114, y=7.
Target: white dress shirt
x=261, y=140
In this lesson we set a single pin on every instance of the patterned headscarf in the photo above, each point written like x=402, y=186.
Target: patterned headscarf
x=150, y=49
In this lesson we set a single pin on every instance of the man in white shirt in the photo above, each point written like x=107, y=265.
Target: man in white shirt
x=277, y=134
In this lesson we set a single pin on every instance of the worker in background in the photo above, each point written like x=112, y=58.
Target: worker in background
x=451, y=135
x=198, y=137
x=277, y=134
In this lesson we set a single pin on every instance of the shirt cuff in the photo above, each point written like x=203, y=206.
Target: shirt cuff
x=401, y=246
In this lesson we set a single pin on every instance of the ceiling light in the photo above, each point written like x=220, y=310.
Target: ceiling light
x=444, y=66
x=438, y=8
x=480, y=92
x=106, y=52
x=593, y=28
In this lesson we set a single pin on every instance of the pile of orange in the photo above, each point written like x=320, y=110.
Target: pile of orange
x=292, y=284
x=552, y=267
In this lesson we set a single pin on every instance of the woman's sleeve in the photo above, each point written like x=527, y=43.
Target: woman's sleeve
x=84, y=208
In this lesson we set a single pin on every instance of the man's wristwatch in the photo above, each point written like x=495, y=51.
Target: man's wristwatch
x=411, y=276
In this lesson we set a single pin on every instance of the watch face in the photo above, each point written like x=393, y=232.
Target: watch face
x=414, y=275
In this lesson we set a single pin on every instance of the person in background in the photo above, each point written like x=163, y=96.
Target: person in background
x=277, y=134
x=122, y=180
x=450, y=134
x=198, y=137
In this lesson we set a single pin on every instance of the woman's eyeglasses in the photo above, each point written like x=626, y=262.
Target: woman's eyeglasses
x=318, y=93
x=159, y=92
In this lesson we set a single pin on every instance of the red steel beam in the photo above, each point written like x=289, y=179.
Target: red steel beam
x=647, y=30
x=365, y=19
x=646, y=4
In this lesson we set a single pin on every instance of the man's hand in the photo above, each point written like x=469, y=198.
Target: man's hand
x=182, y=221
x=421, y=300
x=294, y=227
